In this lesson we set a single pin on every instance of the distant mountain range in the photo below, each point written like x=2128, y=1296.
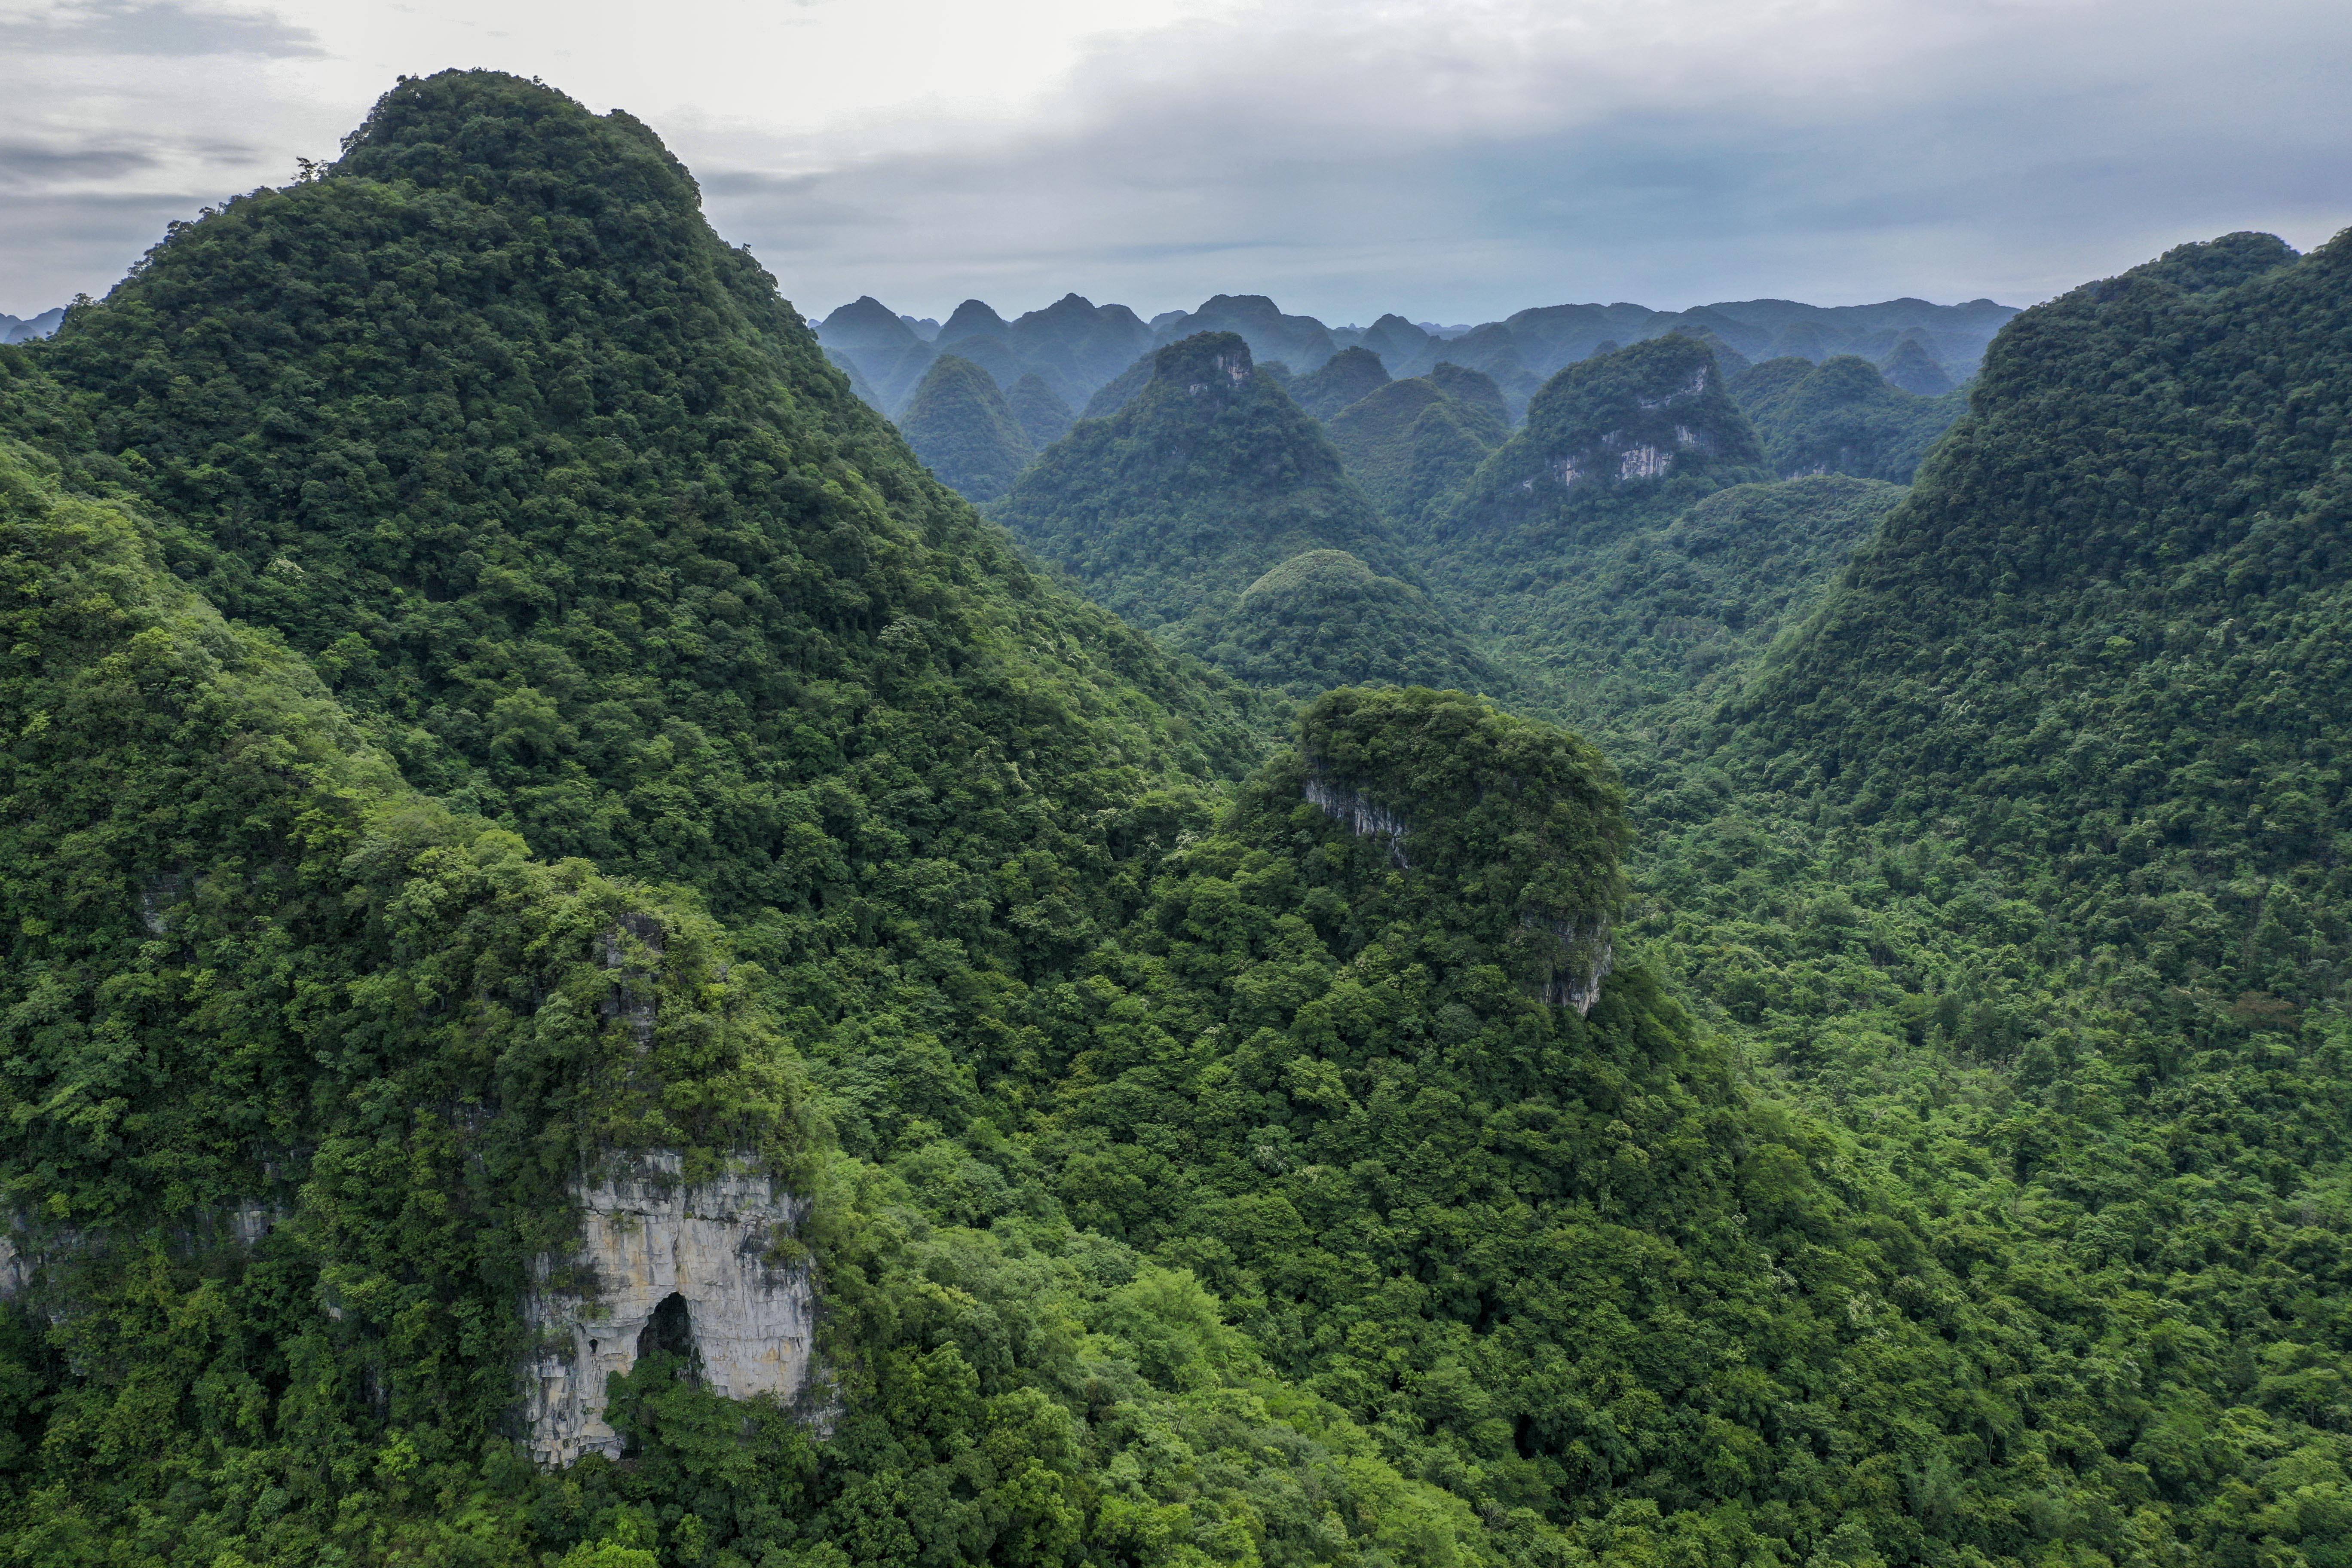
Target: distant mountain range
x=15, y=330
x=1077, y=348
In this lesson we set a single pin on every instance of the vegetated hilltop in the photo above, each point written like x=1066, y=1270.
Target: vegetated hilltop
x=584, y=529
x=1634, y=435
x=1414, y=444
x=2123, y=687
x=1347, y=376
x=1324, y=619
x=960, y=424
x=2021, y=859
x=1842, y=416
x=1208, y=480
x=1301, y=343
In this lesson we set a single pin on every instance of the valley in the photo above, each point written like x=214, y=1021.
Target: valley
x=648, y=929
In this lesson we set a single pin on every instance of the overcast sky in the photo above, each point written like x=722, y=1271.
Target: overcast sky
x=1454, y=160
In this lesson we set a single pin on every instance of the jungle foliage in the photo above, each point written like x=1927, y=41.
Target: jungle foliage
x=1842, y=416
x=484, y=695
x=960, y=423
x=1413, y=445
x=1208, y=480
x=1324, y=619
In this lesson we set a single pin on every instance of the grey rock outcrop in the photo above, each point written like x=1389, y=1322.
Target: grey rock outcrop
x=647, y=1236
x=1362, y=818
x=1567, y=956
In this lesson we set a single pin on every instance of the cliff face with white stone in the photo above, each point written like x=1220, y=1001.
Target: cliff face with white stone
x=1611, y=430
x=1362, y=816
x=724, y=1247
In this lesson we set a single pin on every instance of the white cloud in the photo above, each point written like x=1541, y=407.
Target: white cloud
x=1456, y=160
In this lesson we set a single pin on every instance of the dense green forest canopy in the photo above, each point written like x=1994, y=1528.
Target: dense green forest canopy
x=1324, y=619
x=485, y=700
x=1347, y=376
x=1413, y=445
x=1661, y=620
x=1042, y=411
x=960, y=423
x=1209, y=478
x=1842, y=416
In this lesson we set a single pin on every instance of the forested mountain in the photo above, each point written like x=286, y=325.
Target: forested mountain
x=1042, y=414
x=879, y=347
x=2038, y=902
x=1413, y=445
x=1347, y=377
x=1302, y=342
x=1913, y=369
x=1669, y=612
x=1080, y=347
x=2027, y=631
x=1324, y=619
x=1842, y=416
x=499, y=732
x=1209, y=478
x=1633, y=435
x=960, y=424
x=2022, y=857
x=14, y=329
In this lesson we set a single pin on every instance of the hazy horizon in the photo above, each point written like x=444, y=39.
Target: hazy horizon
x=1452, y=164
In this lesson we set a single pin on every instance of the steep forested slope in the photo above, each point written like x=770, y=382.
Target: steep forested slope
x=1325, y=619
x=2022, y=858
x=1209, y=478
x=302, y=1067
x=615, y=742
x=2126, y=683
x=1349, y=375
x=1648, y=628
x=1636, y=434
x=257, y=986
x=1042, y=411
x=579, y=521
x=960, y=424
x=305, y=1066
x=1842, y=416
x=1413, y=445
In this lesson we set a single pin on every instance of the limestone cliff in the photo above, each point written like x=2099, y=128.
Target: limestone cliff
x=723, y=1249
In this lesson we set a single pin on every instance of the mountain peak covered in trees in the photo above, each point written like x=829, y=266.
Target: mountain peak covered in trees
x=1207, y=479
x=496, y=715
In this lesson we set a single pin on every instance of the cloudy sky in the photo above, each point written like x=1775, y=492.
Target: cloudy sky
x=1454, y=160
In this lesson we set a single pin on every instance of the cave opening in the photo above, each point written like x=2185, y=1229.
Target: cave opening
x=670, y=1332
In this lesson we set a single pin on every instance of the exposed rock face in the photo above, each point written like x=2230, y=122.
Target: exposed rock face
x=1569, y=956
x=1362, y=816
x=1581, y=958
x=30, y=1257
x=645, y=1236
